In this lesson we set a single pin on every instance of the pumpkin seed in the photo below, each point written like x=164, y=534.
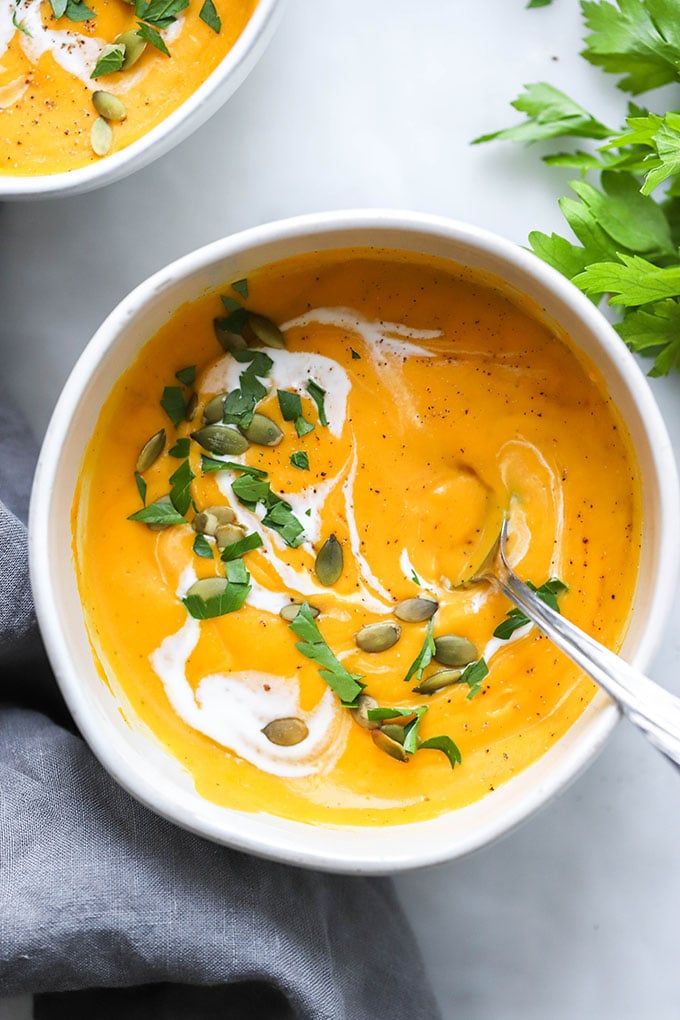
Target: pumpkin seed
x=286, y=732
x=263, y=431
x=438, y=681
x=454, y=650
x=134, y=46
x=416, y=610
x=213, y=517
x=226, y=339
x=208, y=587
x=227, y=534
x=221, y=439
x=329, y=561
x=101, y=137
x=394, y=731
x=108, y=106
x=377, y=637
x=360, y=713
x=192, y=405
x=291, y=609
x=266, y=331
x=214, y=409
x=150, y=452
x=389, y=746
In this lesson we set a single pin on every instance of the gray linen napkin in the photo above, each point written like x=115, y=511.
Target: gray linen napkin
x=111, y=911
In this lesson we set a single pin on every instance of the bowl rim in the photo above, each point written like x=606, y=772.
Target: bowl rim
x=187, y=117
x=291, y=848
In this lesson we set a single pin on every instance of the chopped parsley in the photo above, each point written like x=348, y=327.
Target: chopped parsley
x=515, y=618
x=313, y=646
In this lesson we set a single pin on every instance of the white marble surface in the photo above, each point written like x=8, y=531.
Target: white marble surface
x=373, y=104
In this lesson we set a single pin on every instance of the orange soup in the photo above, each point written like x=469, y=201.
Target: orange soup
x=80, y=79
x=278, y=506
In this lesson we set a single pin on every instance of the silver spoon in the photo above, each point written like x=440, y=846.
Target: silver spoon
x=650, y=707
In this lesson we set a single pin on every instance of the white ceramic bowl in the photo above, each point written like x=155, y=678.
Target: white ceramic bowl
x=136, y=760
x=202, y=103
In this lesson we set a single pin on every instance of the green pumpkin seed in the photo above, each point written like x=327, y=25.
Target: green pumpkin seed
x=378, y=637
x=108, y=106
x=208, y=587
x=416, y=610
x=266, y=331
x=329, y=561
x=360, y=713
x=134, y=46
x=221, y=439
x=291, y=609
x=263, y=431
x=150, y=452
x=389, y=746
x=286, y=732
x=101, y=137
x=213, y=517
x=226, y=339
x=227, y=534
x=438, y=681
x=214, y=409
x=454, y=650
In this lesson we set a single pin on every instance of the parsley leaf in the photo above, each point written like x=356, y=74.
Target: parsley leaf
x=302, y=426
x=20, y=27
x=550, y=114
x=312, y=645
x=289, y=404
x=209, y=14
x=473, y=675
x=173, y=404
x=186, y=375
x=279, y=514
x=230, y=600
x=318, y=395
x=424, y=656
x=141, y=486
x=151, y=35
x=180, y=494
x=160, y=512
x=640, y=40
x=209, y=464
x=161, y=13
x=76, y=10
x=300, y=460
x=631, y=281
x=110, y=60
x=627, y=242
x=202, y=547
x=446, y=746
x=181, y=448
x=240, y=548
x=654, y=329
x=548, y=592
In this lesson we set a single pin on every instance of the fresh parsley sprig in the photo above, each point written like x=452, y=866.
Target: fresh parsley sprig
x=548, y=592
x=312, y=645
x=627, y=240
x=424, y=656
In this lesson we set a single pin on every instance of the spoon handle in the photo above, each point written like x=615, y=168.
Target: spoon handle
x=652, y=708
